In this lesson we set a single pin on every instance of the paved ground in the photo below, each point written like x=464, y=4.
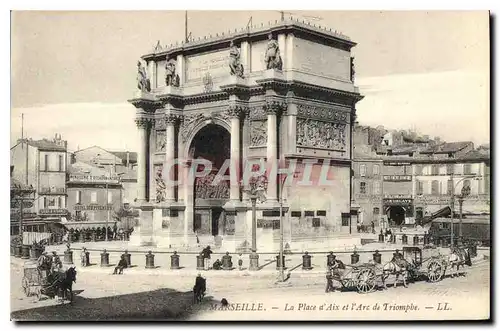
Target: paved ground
x=168, y=296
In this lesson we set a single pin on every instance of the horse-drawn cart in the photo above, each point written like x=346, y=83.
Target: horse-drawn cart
x=35, y=282
x=427, y=262
x=363, y=277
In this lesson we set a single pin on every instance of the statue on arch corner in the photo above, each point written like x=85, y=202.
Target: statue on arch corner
x=272, y=56
x=143, y=83
x=234, y=61
x=171, y=77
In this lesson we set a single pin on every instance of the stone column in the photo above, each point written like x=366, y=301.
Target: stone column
x=169, y=157
x=234, y=113
x=142, y=124
x=180, y=69
x=272, y=151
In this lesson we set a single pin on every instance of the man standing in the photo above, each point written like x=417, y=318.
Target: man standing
x=206, y=257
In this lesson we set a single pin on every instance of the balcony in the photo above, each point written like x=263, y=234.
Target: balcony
x=52, y=190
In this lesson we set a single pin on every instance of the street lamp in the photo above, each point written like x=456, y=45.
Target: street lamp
x=257, y=187
x=465, y=192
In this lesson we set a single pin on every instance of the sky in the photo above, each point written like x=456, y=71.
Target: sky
x=72, y=72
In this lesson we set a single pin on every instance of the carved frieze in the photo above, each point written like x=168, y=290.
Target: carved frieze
x=144, y=122
x=161, y=140
x=320, y=134
x=160, y=184
x=160, y=123
x=189, y=122
x=208, y=188
x=322, y=113
x=258, y=133
x=258, y=112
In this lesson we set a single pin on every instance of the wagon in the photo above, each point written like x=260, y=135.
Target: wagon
x=35, y=282
x=427, y=262
x=363, y=277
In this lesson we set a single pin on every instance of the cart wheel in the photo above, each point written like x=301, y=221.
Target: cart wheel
x=434, y=271
x=366, y=281
x=26, y=286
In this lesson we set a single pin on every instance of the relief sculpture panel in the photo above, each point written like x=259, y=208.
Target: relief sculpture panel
x=258, y=133
x=159, y=184
x=319, y=134
x=161, y=141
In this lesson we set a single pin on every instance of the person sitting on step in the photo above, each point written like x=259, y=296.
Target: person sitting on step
x=122, y=264
x=217, y=265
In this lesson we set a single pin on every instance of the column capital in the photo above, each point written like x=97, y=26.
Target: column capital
x=171, y=119
x=144, y=122
x=275, y=107
x=236, y=111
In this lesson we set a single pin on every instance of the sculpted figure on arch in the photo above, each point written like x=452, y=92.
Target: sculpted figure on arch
x=171, y=77
x=234, y=61
x=273, y=57
x=143, y=83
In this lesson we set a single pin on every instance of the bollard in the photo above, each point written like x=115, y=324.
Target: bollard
x=278, y=264
x=200, y=262
x=415, y=240
x=330, y=259
x=18, y=250
x=306, y=261
x=226, y=262
x=25, y=252
x=354, y=258
x=68, y=256
x=104, y=259
x=404, y=239
x=254, y=261
x=174, y=261
x=127, y=258
x=150, y=260
x=380, y=238
x=377, y=257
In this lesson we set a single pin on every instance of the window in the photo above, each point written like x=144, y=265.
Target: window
x=418, y=169
x=321, y=213
x=296, y=213
x=376, y=169
x=93, y=197
x=44, y=204
x=376, y=212
x=276, y=224
x=449, y=169
x=435, y=187
x=466, y=183
x=61, y=163
x=110, y=197
x=46, y=161
x=468, y=169
x=362, y=188
x=78, y=197
x=420, y=188
x=449, y=186
x=197, y=222
x=78, y=215
x=362, y=170
x=435, y=169
x=316, y=222
x=345, y=219
x=376, y=187
x=308, y=213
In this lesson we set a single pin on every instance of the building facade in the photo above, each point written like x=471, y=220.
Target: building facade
x=286, y=99
x=43, y=165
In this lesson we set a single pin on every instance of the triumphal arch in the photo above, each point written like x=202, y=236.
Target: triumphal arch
x=283, y=93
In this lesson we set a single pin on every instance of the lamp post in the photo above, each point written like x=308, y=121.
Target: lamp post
x=257, y=187
x=465, y=192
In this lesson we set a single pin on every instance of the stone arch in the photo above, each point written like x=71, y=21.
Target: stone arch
x=197, y=126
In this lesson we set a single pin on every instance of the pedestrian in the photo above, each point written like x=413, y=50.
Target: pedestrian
x=240, y=262
x=373, y=227
x=122, y=264
x=83, y=257
x=206, y=257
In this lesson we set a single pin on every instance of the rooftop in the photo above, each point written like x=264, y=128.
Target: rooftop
x=447, y=147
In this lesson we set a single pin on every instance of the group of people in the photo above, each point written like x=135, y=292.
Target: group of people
x=206, y=253
x=49, y=264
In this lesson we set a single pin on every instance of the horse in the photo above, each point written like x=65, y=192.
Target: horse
x=459, y=257
x=397, y=266
x=62, y=283
x=199, y=289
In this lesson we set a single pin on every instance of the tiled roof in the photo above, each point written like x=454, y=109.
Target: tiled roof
x=447, y=147
x=47, y=144
x=123, y=156
x=16, y=185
